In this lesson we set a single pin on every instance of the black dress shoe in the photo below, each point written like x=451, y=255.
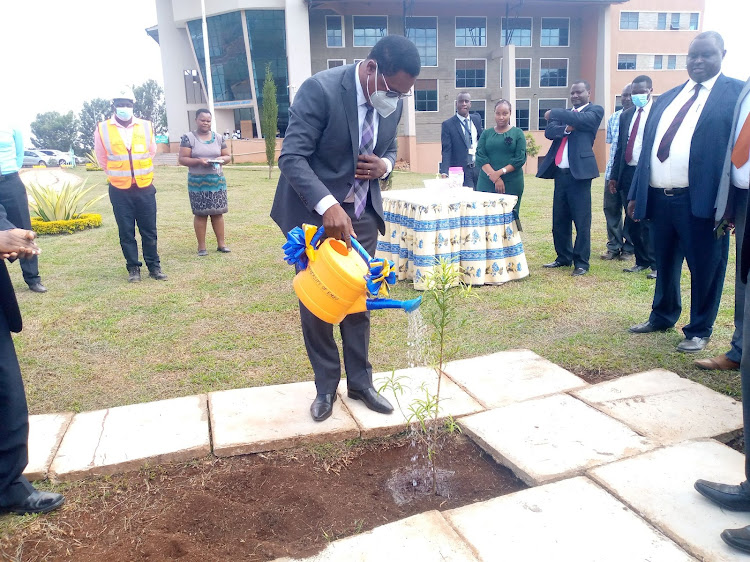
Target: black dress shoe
x=372, y=400
x=645, y=328
x=634, y=269
x=578, y=271
x=556, y=264
x=652, y=275
x=737, y=538
x=37, y=287
x=36, y=502
x=693, y=345
x=733, y=498
x=322, y=407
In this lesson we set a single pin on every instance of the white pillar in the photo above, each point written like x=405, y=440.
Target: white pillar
x=603, y=82
x=299, y=63
x=508, y=72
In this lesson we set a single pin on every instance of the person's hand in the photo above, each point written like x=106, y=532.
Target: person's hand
x=338, y=225
x=205, y=162
x=18, y=243
x=370, y=167
x=569, y=128
x=499, y=185
x=631, y=211
x=494, y=175
x=612, y=185
x=443, y=175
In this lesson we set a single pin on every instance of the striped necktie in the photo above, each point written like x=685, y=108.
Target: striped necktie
x=366, y=146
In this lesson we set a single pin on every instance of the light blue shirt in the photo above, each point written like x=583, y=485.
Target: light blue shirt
x=613, y=134
x=11, y=150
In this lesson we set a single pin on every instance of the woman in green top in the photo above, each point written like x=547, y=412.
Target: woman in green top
x=501, y=154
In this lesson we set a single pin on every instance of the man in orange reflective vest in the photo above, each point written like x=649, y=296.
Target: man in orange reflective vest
x=125, y=147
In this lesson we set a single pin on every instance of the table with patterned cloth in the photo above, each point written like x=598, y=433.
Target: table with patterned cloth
x=473, y=229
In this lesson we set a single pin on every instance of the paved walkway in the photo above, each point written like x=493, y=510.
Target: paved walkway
x=611, y=466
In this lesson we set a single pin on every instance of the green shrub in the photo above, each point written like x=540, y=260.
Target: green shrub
x=81, y=222
x=50, y=204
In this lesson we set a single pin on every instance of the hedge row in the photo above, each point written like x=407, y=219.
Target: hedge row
x=87, y=220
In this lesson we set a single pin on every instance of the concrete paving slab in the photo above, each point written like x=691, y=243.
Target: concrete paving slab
x=666, y=407
x=551, y=438
x=267, y=418
x=511, y=376
x=426, y=536
x=659, y=486
x=453, y=401
x=45, y=434
x=569, y=520
x=128, y=437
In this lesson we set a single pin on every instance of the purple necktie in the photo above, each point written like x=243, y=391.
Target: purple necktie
x=366, y=146
x=666, y=141
x=631, y=139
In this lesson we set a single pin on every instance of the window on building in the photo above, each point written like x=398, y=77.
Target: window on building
x=618, y=103
x=658, y=62
x=479, y=107
x=553, y=73
x=626, y=62
x=555, y=32
x=675, y=24
x=334, y=31
x=545, y=105
x=471, y=32
x=661, y=21
x=193, y=88
x=522, y=114
x=516, y=31
x=523, y=73
x=672, y=62
x=423, y=33
x=368, y=30
x=426, y=94
x=471, y=73
x=694, y=21
x=629, y=20
x=333, y=63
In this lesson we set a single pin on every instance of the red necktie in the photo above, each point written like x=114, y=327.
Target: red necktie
x=561, y=148
x=663, y=153
x=631, y=138
x=741, y=152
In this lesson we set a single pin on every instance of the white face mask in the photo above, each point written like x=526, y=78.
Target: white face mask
x=379, y=100
x=639, y=100
x=124, y=113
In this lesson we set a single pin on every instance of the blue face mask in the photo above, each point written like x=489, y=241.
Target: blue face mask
x=639, y=100
x=124, y=113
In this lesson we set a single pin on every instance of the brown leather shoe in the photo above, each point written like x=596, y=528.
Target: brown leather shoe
x=718, y=363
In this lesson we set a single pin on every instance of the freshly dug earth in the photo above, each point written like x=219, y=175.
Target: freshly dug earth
x=254, y=507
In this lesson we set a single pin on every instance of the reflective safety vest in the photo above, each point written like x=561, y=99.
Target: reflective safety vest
x=123, y=165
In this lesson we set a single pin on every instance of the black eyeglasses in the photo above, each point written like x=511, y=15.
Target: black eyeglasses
x=393, y=93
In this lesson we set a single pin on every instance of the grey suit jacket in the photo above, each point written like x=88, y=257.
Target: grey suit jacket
x=723, y=194
x=321, y=146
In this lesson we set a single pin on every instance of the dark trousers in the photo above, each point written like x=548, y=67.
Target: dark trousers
x=619, y=237
x=136, y=206
x=745, y=381
x=471, y=176
x=355, y=328
x=571, y=205
x=679, y=235
x=13, y=198
x=14, y=423
x=640, y=232
x=737, y=345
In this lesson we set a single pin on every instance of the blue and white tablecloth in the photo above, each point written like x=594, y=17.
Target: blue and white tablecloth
x=473, y=229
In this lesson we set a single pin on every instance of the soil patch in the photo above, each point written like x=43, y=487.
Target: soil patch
x=255, y=507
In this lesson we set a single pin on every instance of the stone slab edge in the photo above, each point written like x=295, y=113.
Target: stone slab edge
x=34, y=476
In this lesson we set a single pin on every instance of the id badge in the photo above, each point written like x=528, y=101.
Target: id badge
x=472, y=151
x=139, y=148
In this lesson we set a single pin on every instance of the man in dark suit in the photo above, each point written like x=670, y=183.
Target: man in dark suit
x=627, y=155
x=459, y=136
x=737, y=498
x=571, y=162
x=17, y=495
x=341, y=140
x=675, y=185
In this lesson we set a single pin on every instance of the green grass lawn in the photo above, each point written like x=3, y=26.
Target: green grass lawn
x=231, y=320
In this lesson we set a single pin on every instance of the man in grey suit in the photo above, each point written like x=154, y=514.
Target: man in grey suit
x=340, y=142
x=731, y=205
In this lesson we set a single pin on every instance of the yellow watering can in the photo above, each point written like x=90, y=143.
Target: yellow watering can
x=334, y=281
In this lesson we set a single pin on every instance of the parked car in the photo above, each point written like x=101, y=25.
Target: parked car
x=35, y=158
x=59, y=156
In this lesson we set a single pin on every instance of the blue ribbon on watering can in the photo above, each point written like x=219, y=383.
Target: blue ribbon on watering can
x=301, y=243
x=382, y=273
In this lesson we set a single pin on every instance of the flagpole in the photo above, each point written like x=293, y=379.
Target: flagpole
x=207, y=59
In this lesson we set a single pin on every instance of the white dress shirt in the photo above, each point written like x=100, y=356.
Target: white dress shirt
x=673, y=172
x=473, y=129
x=638, y=143
x=329, y=200
x=741, y=176
x=564, y=162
